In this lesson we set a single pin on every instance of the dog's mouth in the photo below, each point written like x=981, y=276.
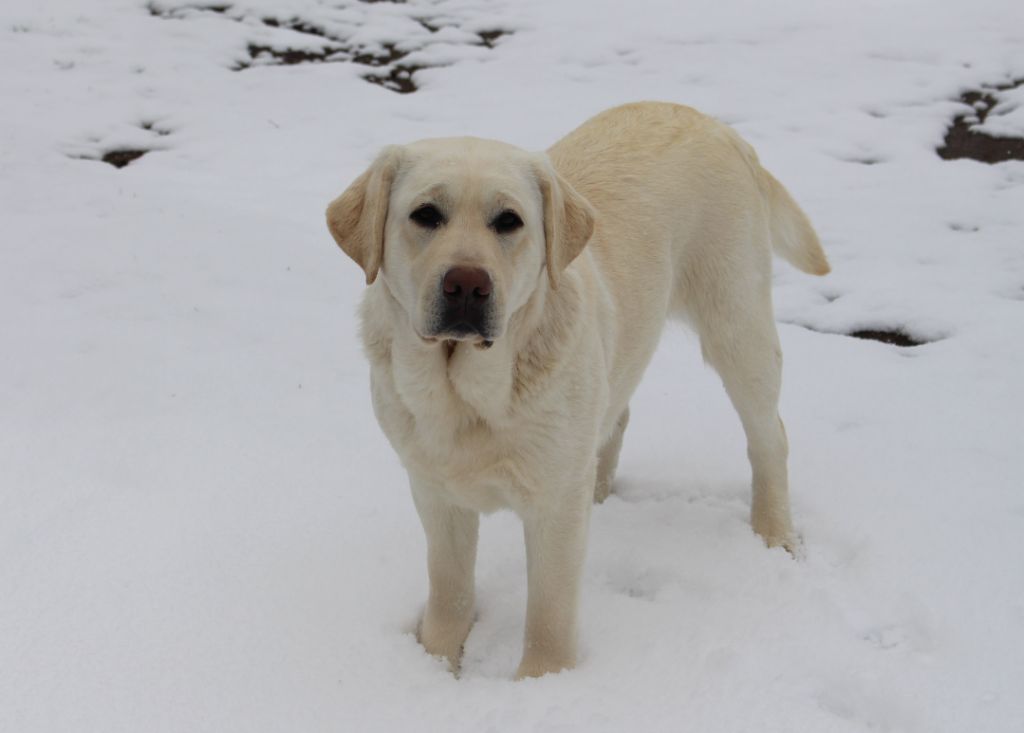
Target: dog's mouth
x=463, y=321
x=464, y=331
x=451, y=337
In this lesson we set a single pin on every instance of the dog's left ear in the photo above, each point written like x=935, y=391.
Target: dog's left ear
x=568, y=219
x=356, y=218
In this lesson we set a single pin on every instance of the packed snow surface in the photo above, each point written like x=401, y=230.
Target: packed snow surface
x=202, y=527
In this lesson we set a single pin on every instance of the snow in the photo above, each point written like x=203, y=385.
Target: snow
x=201, y=526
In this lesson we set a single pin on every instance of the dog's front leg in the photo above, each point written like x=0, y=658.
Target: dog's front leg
x=451, y=556
x=556, y=540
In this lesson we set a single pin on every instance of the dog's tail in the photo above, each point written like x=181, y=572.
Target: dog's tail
x=793, y=237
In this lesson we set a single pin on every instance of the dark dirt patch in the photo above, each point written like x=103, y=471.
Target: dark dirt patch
x=288, y=56
x=122, y=157
x=487, y=38
x=962, y=141
x=398, y=79
x=393, y=75
x=332, y=50
x=390, y=55
x=178, y=12
x=425, y=22
x=300, y=26
x=896, y=338
x=150, y=126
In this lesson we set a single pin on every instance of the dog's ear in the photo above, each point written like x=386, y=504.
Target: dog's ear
x=356, y=218
x=568, y=219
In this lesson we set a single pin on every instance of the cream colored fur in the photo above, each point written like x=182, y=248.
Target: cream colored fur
x=646, y=211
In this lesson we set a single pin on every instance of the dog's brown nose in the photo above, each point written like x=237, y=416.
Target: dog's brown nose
x=465, y=282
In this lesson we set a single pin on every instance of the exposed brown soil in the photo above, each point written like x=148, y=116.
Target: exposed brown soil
x=122, y=157
x=397, y=77
x=896, y=338
x=962, y=141
x=288, y=56
x=179, y=12
x=390, y=55
x=487, y=38
x=151, y=127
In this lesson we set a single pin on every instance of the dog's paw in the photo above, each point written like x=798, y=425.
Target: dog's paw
x=602, y=490
x=776, y=530
x=538, y=665
x=788, y=541
x=445, y=640
x=791, y=543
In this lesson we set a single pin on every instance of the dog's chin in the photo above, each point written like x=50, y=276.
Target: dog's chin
x=467, y=335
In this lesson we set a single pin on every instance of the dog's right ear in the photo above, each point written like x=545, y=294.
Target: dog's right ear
x=356, y=218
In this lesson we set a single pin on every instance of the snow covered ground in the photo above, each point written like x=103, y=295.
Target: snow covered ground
x=201, y=526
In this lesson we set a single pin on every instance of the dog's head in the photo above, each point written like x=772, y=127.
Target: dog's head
x=461, y=231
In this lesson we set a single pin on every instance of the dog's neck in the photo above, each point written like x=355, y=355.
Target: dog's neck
x=487, y=379
x=539, y=336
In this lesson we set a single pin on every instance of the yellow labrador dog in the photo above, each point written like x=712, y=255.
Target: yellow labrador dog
x=516, y=299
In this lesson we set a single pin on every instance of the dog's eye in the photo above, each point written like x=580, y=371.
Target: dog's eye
x=507, y=221
x=427, y=216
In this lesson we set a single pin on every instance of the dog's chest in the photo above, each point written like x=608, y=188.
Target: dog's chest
x=453, y=426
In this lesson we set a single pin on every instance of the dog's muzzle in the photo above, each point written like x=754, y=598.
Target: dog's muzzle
x=465, y=304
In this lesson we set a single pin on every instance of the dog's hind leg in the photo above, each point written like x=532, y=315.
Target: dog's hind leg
x=749, y=362
x=733, y=315
x=608, y=459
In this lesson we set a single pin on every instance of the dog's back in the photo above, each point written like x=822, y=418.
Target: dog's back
x=630, y=160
